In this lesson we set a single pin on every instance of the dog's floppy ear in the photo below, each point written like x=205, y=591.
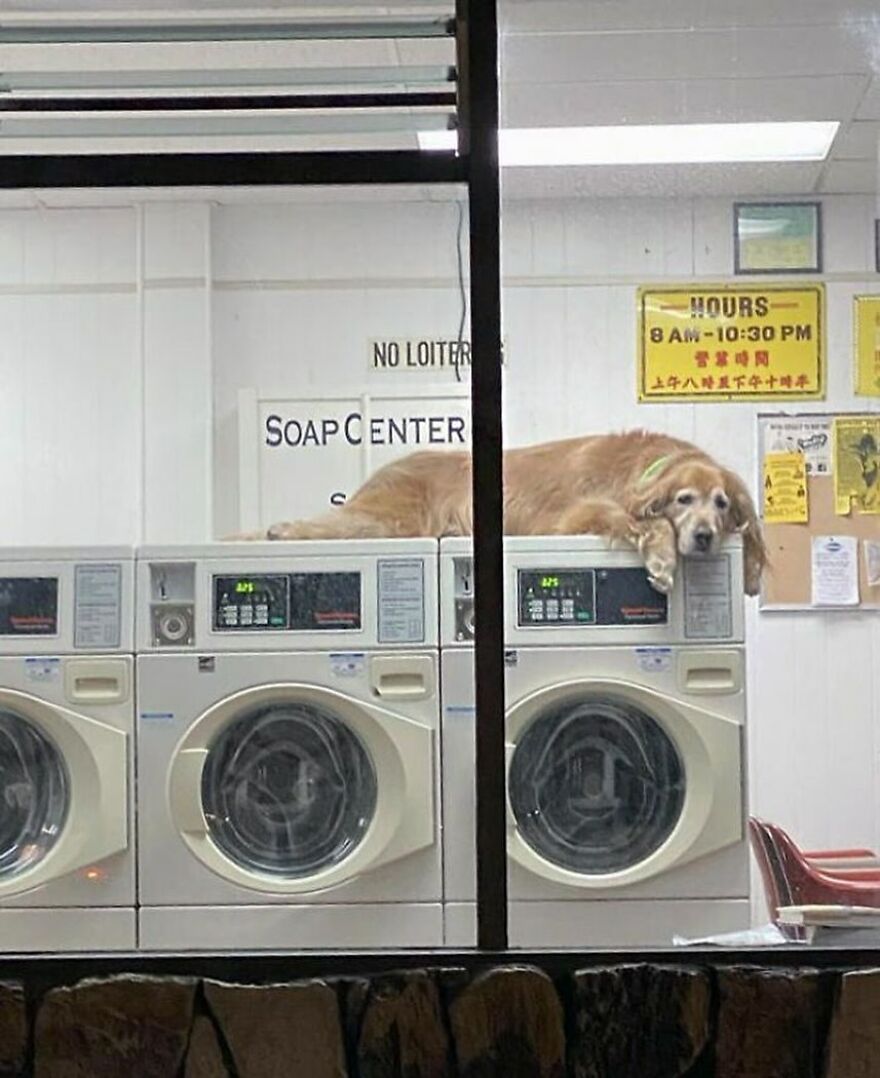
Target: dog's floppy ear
x=653, y=490
x=745, y=520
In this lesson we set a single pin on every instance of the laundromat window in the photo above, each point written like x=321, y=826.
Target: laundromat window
x=642, y=717
x=690, y=431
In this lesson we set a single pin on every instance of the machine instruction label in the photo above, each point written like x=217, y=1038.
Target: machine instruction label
x=97, y=616
x=401, y=600
x=708, y=609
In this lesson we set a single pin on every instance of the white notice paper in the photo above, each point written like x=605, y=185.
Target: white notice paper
x=835, y=570
x=872, y=561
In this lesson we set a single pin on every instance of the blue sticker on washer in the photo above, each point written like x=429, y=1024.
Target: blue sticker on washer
x=653, y=660
x=347, y=663
x=157, y=716
x=42, y=668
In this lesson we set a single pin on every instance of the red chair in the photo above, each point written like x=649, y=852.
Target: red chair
x=795, y=878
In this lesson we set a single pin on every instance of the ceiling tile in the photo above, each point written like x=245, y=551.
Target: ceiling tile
x=849, y=177
x=555, y=104
x=869, y=109
x=543, y=15
x=713, y=54
x=859, y=141
x=661, y=181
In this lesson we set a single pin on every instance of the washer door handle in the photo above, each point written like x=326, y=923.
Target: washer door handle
x=402, y=677
x=185, y=791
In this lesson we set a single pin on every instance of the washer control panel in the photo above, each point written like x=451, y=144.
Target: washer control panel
x=29, y=606
x=275, y=602
x=554, y=596
x=586, y=596
x=260, y=601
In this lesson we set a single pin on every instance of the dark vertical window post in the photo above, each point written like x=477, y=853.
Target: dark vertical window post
x=477, y=22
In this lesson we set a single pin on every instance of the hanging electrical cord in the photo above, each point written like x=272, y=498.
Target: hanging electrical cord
x=462, y=291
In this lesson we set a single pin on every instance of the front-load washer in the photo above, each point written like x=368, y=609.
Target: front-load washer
x=625, y=734
x=67, y=864
x=288, y=758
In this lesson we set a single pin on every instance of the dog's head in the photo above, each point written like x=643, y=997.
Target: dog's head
x=704, y=503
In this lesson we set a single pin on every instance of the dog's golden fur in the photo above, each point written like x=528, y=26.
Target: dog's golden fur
x=664, y=495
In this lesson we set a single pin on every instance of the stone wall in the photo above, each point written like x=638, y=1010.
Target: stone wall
x=625, y=1021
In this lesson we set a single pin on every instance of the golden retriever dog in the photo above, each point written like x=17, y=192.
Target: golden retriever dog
x=663, y=495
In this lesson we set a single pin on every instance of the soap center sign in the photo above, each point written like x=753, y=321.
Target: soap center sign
x=300, y=456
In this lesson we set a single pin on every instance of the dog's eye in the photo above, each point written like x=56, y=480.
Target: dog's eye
x=721, y=502
x=685, y=499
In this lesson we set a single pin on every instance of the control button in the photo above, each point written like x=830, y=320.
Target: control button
x=568, y=609
x=261, y=619
x=261, y=612
x=246, y=615
x=230, y=615
x=536, y=609
x=553, y=610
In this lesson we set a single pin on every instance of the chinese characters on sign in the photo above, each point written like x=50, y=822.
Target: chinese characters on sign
x=717, y=342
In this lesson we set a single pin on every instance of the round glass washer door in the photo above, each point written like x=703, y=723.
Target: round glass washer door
x=288, y=789
x=34, y=794
x=595, y=784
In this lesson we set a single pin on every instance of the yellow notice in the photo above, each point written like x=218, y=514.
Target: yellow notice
x=856, y=464
x=725, y=342
x=785, y=488
x=866, y=335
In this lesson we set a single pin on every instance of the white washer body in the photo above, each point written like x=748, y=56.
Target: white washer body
x=67, y=863
x=288, y=757
x=674, y=680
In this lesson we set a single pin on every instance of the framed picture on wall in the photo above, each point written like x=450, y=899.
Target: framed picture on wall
x=777, y=237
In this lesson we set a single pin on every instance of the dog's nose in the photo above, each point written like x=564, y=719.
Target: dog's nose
x=702, y=539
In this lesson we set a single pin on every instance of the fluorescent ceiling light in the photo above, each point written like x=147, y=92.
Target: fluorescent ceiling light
x=656, y=144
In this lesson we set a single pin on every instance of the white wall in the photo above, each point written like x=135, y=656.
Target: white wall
x=68, y=401
x=105, y=375
x=127, y=332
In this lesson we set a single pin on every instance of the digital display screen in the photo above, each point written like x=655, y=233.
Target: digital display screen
x=251, y=603
x=28, y=606
x=557, y=597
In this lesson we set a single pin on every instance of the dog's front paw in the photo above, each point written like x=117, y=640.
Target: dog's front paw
x=661, y=575
x=282, y=531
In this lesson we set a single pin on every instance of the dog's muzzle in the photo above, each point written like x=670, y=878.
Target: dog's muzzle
x=702, y=540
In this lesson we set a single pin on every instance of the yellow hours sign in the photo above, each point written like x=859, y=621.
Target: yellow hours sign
x=720, y=342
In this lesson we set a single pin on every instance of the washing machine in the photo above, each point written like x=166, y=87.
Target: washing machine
x=625, y=734
x=288, y=758
x=67, y=864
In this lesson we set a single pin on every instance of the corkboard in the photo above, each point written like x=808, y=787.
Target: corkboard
x=788, y=584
